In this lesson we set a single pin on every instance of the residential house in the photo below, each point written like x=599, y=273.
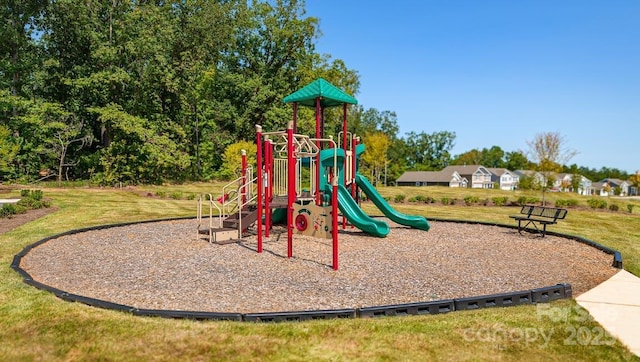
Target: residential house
x=431, y=178
x=564, y=181
x=506, y=179
x=479, y=175
x=417, y=178
x=608, y=187
x=452, y=176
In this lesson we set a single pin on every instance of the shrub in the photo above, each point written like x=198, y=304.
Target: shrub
x=524, y=200
x=8, y=210
x=429, y=200
x=176, y=195
x=32, y=199
x=161, y=194
x=399, y=198
x=420, y=198
x=445, y=201
x=614, y=207
x=21, y=209
x=630, y=208
x=36, y=194
x=191, y=196
x=29, y=203
x=597, y=204
x=500, y=201
x=471, y=200
x=532, y=200
x=566, y=203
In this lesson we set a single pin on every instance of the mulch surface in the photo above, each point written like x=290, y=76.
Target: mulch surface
x=164, y=265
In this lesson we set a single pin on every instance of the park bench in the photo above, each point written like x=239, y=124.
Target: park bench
x=538, y=217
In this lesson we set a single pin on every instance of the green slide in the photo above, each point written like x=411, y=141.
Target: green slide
x=279, y=216
x=350, y=209
x=414, y=221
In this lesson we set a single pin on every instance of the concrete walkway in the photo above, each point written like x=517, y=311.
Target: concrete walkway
x=615, y=304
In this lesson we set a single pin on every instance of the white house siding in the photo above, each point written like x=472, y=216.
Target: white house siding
x=507, y=182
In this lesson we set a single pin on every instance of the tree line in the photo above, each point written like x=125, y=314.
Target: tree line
x=140, y=91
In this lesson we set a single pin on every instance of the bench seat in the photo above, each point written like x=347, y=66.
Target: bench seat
x=538, y=217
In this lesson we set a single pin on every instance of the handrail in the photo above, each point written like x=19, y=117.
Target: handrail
x=250, y=196
x=212, y=204
x=340, y=140
x=303, y=145
x=225, y=195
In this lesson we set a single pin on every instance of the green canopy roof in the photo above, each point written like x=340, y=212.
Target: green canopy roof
x=330, y=95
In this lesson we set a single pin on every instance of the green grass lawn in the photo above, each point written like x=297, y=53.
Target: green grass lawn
x=35, y=325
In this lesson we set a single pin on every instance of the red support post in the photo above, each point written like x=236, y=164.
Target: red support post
x=291, y=188
x=334, y=221
x=259, y=179
x=268, y=191
x=345, y=148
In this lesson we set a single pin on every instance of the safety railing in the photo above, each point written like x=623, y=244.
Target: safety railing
x=201, y=200
x=249, y=195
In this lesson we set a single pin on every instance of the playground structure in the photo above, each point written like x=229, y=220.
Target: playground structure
x=301, y=180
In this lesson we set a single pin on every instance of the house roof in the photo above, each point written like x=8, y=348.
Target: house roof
x=613, y=181
x=570, y=176
x=425, y=176
x=530, y=173
x=413, y=176
x=465, y=169
x=329, y=94
x=499, y=171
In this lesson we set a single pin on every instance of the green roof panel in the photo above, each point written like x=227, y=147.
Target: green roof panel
x=330, y=95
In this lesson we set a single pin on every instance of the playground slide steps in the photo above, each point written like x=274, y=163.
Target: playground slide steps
x=220, y=236
x=249, y=216
x=228, y=233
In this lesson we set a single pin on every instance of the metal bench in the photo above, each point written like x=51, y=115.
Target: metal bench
x=538, y=217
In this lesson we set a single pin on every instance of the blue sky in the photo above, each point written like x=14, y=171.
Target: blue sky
x=498, y=72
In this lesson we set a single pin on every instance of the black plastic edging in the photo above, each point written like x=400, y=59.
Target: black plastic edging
x=57, y=292
x=548, y=294
x=299, y=316
x=494, y=300
x=95, y=302
x=538, y=295
x=434, y=307
x=194, y=315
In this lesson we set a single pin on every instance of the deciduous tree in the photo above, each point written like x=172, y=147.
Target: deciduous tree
x=549, y=152
x=429, y=151
x=375, y=158
x=8, y=149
